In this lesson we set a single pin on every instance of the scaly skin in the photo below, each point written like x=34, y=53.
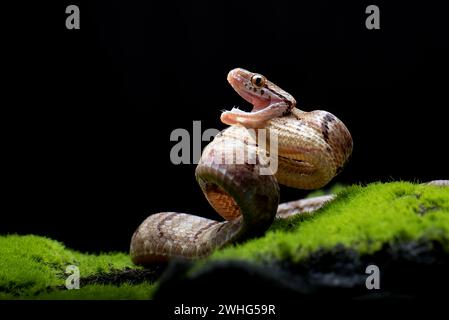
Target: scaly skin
x=313, y=147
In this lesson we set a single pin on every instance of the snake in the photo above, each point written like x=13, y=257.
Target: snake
x=312, y=147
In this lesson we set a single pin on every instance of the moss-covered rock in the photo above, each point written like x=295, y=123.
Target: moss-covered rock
x=401, y=227
x=33, y=267
x=362, y=218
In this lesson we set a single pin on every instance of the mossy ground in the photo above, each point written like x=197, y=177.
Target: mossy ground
x=33, y=267
x=363, y=218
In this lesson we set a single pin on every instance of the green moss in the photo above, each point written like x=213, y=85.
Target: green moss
x=363, y=218
x=34, y=267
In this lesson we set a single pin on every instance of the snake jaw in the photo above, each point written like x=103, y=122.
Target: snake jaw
x=268, y=100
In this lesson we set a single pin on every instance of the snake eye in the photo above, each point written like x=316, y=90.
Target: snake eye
x=258, y=80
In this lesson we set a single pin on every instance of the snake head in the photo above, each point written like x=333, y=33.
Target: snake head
x=268, y=100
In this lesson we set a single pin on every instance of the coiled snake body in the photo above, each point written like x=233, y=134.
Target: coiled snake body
x=312, y=147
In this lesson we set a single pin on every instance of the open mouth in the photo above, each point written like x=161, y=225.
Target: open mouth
x=262, y=98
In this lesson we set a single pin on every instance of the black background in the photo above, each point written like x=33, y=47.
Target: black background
x=88, y=113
